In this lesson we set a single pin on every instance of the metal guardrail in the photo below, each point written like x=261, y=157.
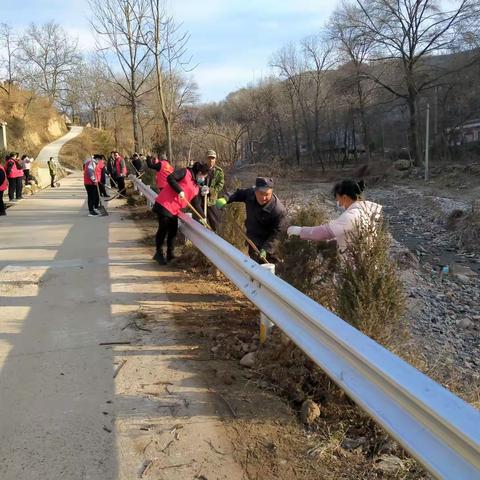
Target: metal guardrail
x=436, y=427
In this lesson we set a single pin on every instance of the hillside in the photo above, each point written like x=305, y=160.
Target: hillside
x=90, y=141
x=31, y=121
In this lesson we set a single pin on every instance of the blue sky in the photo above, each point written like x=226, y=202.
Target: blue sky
x=232, y=41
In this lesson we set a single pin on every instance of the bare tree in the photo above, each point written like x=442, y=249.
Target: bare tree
x=168, y=46
x=354, y=47
x=46, y=57
x=120, y=26
x=405, y=33
x=9, y=42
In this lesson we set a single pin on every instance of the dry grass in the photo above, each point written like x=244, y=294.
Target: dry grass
x=466, y=228
x=90, y=141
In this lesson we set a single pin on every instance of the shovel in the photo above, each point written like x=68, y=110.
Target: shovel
x=101, y=208
x=254, y=247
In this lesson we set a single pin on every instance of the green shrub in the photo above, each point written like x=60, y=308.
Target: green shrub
x=369, y=291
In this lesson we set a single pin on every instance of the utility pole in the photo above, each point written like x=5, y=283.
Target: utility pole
x=427, y=135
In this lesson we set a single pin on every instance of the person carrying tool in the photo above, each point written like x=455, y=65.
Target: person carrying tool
x=210, y=191
x=162, y=168
x=3, y=187
x=101, y=173
x=137, y=164
x=52, y=168
x=182, y=186
x=91, y=176
x=357, y=211
x=265, y=220
x=120, y=172
x=14, y=172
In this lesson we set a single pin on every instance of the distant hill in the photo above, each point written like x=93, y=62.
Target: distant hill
x=31, y=121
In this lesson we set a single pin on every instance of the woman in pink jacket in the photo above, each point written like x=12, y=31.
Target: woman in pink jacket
x=349, y=197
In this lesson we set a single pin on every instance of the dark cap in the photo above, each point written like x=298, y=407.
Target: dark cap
x=263, y=183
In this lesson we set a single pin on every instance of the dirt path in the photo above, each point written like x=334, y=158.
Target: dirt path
x=71, y=408
x=53, y=149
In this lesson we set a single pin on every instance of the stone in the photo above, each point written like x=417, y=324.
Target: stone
x=465, y=323
x=248, y=360
x=402, y=165
x=309, y=412
x=389, y=464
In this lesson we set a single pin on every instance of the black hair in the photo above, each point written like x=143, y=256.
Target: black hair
x=350, y=188
x=97, y=156
x=200, y=168
x=24, y=157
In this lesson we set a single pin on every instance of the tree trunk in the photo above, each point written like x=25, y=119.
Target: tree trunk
x=412, y=130
x=135, y=125
x=361, y=107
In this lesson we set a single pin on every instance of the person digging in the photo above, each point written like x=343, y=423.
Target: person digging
x=266, y=217
x=182, y=187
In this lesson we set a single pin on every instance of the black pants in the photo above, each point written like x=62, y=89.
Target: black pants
x=167, y=227
x=15, y=186
x=2, y=204
x=103, y=190
x=52, y=180
x=121, y=185
x=26, y=174
x=93, y=199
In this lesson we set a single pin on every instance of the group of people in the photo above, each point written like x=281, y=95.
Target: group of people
x=96, y=171
x=266, y=216
x=200, y=188
x=15, y=172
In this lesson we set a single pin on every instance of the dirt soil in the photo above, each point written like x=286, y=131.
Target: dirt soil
x=261, y=411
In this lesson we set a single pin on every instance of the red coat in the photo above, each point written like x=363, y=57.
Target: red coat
x=4, y=185
x=168, y=197
x=120, y=167
x=87, y=172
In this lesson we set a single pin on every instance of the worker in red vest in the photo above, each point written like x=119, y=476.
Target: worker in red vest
x=162, y=167
x=120, y=171
x=3, y=187
x=15, y=177
x=101, y=173
x=182, y=186
x=91, y=177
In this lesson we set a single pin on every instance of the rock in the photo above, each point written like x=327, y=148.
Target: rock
x=389, y=464
x=248, y=360
x=457, y=270
x=353, y=443
x=309, y=412
x=402, y=165
x=215, y=349
x=465, y=323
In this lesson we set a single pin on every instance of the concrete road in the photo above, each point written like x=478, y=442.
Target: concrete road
x=53, y=149
x=71, y=408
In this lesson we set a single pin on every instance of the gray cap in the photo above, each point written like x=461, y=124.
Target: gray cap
x=263, y=184
x=211, y=153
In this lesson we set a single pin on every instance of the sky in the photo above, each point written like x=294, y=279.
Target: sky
x=232, y=41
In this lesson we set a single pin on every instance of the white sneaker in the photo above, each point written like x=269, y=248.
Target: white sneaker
x=93, y=214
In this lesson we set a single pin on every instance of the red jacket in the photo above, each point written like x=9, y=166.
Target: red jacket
x=168, y=197
x=89, y=171
x=161, y=176
x=4, y=184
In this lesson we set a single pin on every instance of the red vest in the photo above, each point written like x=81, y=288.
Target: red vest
x=161, y=176
x=121, y=172
x=4, y=185
x=15, y=172
x=98, y=169
x=86, y=176
x=168, y=197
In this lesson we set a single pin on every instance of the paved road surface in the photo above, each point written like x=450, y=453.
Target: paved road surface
x=53, y=149
x=67, y=283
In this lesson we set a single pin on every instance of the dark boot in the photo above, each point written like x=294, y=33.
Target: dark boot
x=159, y=257
x=170, y=254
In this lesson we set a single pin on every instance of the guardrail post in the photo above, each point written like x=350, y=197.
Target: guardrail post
x=266, y=324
